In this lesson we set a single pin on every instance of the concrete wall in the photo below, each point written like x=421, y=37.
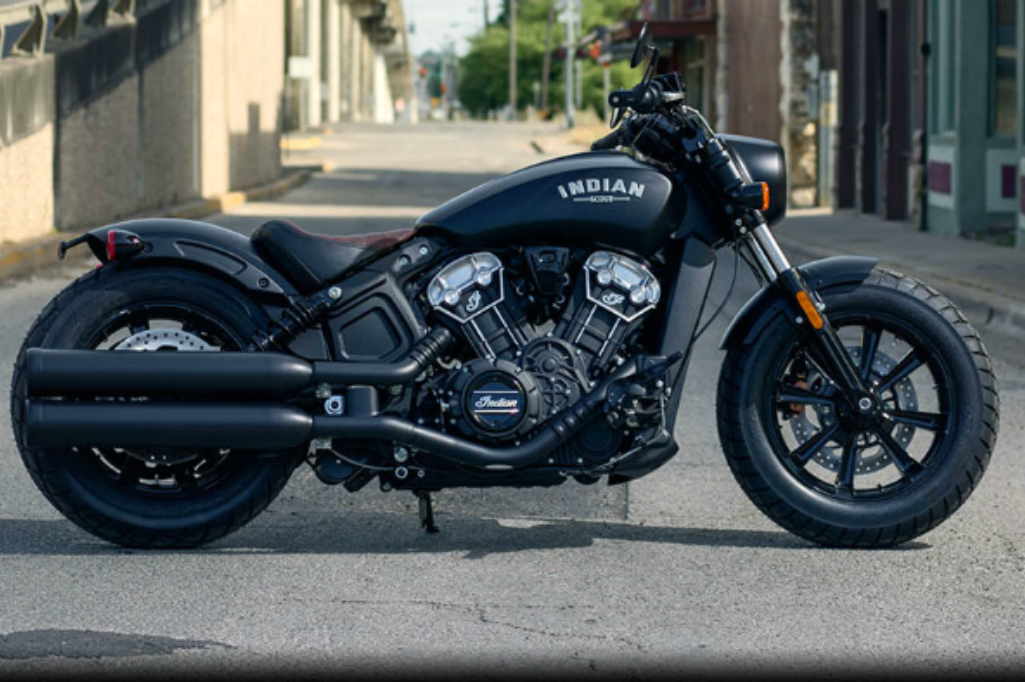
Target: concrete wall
x=353, y=62
x=183, y=102
x=242, y=84
x=26, y=148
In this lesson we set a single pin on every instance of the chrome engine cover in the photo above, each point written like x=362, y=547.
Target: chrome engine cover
x=471, y=291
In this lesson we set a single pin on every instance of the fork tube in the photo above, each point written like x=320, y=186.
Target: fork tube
x=766, y=252
x=776, y=268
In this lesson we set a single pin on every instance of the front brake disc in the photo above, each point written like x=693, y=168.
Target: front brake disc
x=871, y=456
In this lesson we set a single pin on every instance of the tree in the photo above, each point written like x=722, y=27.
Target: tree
x=484, y=71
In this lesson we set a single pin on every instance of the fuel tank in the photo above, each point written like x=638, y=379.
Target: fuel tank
x=594, y=198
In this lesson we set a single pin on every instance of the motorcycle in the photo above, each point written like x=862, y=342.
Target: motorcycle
x=535, y=329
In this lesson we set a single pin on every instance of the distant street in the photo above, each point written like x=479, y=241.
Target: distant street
x=676, y=573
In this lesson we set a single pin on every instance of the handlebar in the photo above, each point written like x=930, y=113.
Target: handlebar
x=643, y=98
x=610, y=141
x=655, y=136
x=666, y=130
x=664, y=139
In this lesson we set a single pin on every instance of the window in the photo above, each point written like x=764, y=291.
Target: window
x=1004, y=65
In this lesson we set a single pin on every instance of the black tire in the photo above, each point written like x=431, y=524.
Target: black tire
x=106, y=501
x=956, y=438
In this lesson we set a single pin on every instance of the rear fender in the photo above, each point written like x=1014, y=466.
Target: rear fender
x=771, y=302
x=200, y=246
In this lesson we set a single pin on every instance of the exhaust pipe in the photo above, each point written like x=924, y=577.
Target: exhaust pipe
x=266, y=427
x=270, y=427
x=92, y=373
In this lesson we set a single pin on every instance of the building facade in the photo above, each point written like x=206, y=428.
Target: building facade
x=753, y=68
x=907, y=109
x=932, y=115
x=976, y=157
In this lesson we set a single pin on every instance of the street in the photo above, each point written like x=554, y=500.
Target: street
x=675, y=573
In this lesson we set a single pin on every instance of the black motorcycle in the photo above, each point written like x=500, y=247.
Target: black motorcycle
x=535, y=329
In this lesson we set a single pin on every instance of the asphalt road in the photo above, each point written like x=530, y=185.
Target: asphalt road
x=676, y=573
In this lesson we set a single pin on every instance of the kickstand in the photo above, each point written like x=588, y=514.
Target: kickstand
x=426, y=512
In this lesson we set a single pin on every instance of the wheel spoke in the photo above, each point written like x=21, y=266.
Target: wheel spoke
x=803, y=397
x=901, y=459
x=807, y=450
x=138, y=320
x=848, y=462
x=923, y=420
x=906, y=366
x=132, y=469
x=869, y=344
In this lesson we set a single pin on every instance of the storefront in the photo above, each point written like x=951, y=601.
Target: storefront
x=976, y=153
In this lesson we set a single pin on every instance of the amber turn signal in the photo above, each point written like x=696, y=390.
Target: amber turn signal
x=809, y=310
x=765, y=196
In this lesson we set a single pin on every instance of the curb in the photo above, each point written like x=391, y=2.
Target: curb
x=31, y=255
x=983, y=307
x=301, y=144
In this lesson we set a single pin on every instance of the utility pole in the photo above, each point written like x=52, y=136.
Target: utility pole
x=580, y=67
x=512, y=60
x=605, y=60
x=606, y=64
x=546, y=67
x=570, y=12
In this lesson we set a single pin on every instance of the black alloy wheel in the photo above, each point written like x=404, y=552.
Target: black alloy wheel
x=164, y=327
x=153, y=497
x=873, y=470
x=870, y=446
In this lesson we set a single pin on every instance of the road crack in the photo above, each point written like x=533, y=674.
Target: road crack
x=484, y=613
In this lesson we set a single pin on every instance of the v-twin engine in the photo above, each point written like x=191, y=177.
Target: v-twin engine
x=524, y=374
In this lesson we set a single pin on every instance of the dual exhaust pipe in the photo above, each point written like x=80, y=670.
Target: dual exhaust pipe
x=63, y=410
x=229, y=375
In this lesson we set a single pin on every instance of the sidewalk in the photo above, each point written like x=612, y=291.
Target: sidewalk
x=986, y=281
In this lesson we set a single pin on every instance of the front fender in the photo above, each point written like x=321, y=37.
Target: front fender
x=762, y=308
x=202, y=246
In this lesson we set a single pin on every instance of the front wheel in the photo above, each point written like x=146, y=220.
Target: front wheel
x=830, y=473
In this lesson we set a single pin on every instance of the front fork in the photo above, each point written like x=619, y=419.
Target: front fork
x=808, y=312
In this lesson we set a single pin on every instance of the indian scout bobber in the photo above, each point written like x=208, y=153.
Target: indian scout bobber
x=535, y=329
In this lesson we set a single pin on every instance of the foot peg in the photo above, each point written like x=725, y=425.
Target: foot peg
x=426, y=512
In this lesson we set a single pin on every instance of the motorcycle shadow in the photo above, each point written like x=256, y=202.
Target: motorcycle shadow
x=378, y=533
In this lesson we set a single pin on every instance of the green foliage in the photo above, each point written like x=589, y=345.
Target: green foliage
x=484, y=71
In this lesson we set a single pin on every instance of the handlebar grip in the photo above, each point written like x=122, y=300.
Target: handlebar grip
x=642, y=98
x=610, y=141
x=620, y=99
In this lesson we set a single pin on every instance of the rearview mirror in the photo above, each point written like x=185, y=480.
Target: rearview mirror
x=642, y=48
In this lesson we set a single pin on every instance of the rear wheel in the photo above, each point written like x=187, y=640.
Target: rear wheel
x=157, y=497
x=876, y=475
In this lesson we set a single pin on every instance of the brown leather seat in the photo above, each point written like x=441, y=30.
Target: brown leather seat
x=312, y=261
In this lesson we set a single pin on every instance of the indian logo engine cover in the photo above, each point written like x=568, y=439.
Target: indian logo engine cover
x=495, y=402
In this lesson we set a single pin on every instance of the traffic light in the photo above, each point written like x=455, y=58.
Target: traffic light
x=559, y=54
x=591, y=51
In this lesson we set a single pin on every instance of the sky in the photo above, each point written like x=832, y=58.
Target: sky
x=438, y=21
